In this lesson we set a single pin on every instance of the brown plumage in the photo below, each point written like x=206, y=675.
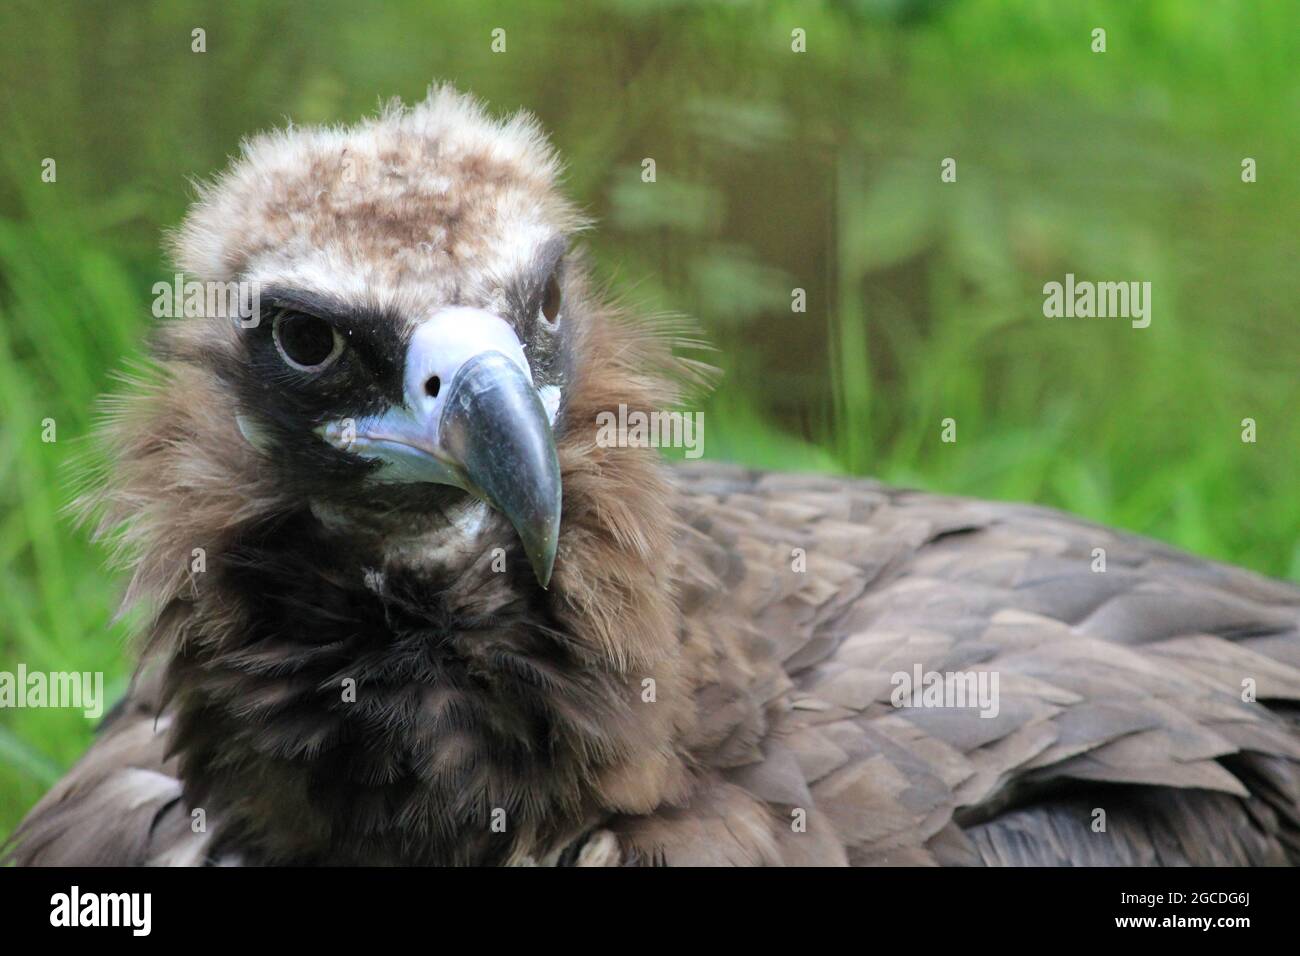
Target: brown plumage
x=686, y=690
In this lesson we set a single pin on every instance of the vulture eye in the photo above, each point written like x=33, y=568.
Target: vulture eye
x=305, y=342
x=551, y=302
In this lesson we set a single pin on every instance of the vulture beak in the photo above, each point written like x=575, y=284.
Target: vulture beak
x=473, y=419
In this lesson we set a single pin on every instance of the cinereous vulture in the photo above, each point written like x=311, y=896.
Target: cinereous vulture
x=440, y=622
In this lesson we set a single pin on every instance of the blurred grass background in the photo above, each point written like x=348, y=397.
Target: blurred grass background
x=776, y=171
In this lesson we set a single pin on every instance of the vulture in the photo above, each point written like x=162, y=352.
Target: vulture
x=400, y=603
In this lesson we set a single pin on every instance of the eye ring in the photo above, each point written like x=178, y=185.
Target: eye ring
x=305, y=342
x=551, y=299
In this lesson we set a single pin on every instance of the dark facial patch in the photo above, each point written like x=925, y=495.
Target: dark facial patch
x=285, y=404
x=526, y=293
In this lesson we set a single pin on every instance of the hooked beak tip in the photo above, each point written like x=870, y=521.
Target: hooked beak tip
x=538, y=528
x=542, y=569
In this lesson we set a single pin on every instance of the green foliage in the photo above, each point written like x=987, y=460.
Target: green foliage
x=775, y=170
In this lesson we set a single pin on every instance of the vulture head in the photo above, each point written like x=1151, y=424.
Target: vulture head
x=419, y=322
x=391, y=474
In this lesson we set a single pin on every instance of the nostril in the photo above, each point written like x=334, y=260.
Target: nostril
x=432, y=386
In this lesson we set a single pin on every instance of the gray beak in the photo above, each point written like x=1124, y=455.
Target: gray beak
x=473, y=419
x=496, y=428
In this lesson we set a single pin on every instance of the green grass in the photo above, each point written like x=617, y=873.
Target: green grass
x=818, y=171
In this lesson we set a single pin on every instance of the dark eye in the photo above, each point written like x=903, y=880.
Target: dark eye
x=307, y=343
x=551, y=300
